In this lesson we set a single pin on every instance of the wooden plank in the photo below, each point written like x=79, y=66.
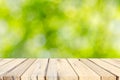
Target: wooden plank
x=117, y=59
x=60, y=69
x=42, y=70
x=4, y=61
x=52, y=70
x=105, y=75
x=65, y=71
x=112, y=62
x=110, y=68
x=9, y=66
x=36, y=71
x=1, y=59
x=16, y=73
x=83, y=71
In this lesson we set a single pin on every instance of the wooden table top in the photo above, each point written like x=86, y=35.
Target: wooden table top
x=59, y=69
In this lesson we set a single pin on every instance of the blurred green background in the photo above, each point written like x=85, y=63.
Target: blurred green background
x=60, y=28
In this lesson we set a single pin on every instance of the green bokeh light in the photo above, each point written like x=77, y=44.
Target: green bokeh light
x=60, y=28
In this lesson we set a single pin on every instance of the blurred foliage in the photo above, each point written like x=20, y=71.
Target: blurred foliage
x=60, y=28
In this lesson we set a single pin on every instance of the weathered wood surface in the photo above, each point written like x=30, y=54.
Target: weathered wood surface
x=59, y=69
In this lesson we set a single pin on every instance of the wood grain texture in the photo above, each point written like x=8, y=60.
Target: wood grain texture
x=105, y=75
x=65, y=71
x=51, y=73
x=19, y=70
x=59, y=69
x=108, y=67
x=83, y=71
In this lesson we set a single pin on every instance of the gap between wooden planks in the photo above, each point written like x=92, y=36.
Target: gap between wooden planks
x=59, y=69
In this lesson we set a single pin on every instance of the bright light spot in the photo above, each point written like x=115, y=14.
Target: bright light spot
x=45, y=54
x=66, y=32
x=111, y=10
x=39, y=40
x=71, y=12
x=12, y=38
x=69, y=8
x=81, y=43
x=115, y=27
x=1, y=2
x=36, y=42
x=14, y=5
x=116, y=44
x=95, y=20
x=3, y=27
